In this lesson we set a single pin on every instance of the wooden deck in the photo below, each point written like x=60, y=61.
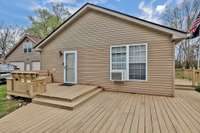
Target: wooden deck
x=112, y=112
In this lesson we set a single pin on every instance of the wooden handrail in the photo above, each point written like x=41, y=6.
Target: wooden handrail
x=193, y=75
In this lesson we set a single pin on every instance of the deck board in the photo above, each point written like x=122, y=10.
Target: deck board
x=166, y=118
x=163, y=127
x=148, y=118
x=112, y=112
x=171, y=116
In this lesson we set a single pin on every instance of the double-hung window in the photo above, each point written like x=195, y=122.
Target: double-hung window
x=131, y=59
x=27, y=47
x=119, y=58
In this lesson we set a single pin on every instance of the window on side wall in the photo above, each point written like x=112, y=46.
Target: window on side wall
x=131, y=59
x=27, y=47
x=119, y=58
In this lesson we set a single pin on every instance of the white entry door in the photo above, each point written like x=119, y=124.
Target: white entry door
x=28, y=67
x=70, y=67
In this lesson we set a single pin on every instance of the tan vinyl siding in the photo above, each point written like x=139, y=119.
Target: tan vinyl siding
x=92, y=35
x=18, y=54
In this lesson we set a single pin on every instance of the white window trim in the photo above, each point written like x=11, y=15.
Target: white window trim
x=127, y=61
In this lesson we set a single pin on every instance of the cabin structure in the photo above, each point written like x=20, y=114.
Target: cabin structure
x=102, y=47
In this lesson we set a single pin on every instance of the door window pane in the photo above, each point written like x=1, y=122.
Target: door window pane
x=70, y=67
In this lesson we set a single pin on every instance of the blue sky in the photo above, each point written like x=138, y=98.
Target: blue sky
x=16, y=11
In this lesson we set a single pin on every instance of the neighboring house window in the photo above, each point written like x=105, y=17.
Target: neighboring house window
x=27, y=47
x=132, y=59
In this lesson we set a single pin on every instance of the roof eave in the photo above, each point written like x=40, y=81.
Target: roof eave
x=177, y=38
x=38, y=49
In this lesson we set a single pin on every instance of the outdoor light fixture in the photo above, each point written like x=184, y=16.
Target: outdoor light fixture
x=60, y=53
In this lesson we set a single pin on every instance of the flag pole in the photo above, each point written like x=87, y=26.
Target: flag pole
x=198, y=43
x=198, y=60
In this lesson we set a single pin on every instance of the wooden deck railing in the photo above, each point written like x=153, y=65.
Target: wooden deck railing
x=193, y=75
x=27, y=84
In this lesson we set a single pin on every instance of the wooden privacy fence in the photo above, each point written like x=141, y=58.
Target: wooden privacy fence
x=193, y=75
x=27, y=84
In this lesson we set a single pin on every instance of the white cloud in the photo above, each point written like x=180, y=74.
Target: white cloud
x=72, y=5
x=77, y=1
x=72, y=9
x=153, y=12
x=63, y=1
x=160, y=8
x=97, y=1
x=148, y=12
x=145, y=9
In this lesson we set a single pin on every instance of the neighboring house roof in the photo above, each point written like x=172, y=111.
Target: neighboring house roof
x=32, y=38
x=176, y=34
x=35, y=39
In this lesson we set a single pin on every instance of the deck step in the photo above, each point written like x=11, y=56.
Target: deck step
x=73, y=96
x=65, y=104
x=184, y=87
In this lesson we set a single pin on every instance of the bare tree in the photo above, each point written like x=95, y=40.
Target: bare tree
x=181, y=17
x=60, y=11
x=9, y=34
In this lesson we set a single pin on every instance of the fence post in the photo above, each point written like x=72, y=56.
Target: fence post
x=193, y=77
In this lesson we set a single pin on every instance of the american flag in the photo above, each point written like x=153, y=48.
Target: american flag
x=195, y=24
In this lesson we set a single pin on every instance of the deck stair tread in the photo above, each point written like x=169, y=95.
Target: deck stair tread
x=69, y=93
x=184, y=87
x=66, y=104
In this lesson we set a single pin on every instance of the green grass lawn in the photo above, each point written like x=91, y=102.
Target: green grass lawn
x=6, y=106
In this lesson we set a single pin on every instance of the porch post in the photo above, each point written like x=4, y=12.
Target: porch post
x=193, y=77
x=173, y=71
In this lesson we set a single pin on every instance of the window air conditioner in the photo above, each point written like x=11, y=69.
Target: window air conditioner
x=118, y=75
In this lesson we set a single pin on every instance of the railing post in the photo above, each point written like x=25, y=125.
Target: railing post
x=193, y=77
x=31, y=90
